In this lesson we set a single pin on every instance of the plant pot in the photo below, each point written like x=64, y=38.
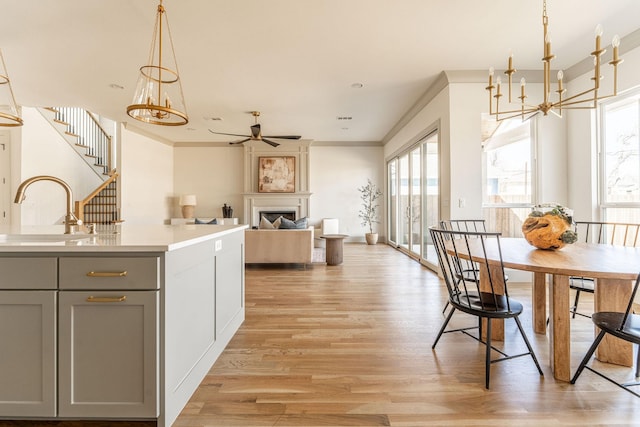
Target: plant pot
x=372, y=238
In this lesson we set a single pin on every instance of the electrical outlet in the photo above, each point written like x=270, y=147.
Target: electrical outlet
x=462, y=203
x=218, y=245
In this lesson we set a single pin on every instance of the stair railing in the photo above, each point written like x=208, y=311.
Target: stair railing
x=79, y=208
x=84, y=125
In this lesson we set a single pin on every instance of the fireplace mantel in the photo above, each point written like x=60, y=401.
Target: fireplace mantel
x=254, y=201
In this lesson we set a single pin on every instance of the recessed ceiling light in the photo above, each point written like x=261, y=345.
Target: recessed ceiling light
x=357, y=85
x=345, y=128
x=213, y=118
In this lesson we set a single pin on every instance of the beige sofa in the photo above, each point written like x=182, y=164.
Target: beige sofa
x=278, y=246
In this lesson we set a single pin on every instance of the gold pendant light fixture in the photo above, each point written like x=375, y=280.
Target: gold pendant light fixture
x=158, y=98
x=555, y=104
x=9, y=116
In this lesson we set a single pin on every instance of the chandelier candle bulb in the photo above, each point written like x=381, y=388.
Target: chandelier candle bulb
x=615, y=43
x=560, y=77
x=523, y=82
x=547, y=47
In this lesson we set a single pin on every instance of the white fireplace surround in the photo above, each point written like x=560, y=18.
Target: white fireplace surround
x=255, y=202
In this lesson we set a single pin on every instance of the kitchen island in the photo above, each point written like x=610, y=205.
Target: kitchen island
x=119, y=325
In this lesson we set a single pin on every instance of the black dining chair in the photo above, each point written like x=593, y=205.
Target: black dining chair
x=487, y=300
x=612, y=233
x=624, y=325
x=468, y=269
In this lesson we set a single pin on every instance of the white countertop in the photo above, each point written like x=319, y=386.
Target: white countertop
x=120, y=238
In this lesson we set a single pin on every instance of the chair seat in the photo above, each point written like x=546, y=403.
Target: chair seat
x=484, y=305
x=585, y=284
x=609, y=322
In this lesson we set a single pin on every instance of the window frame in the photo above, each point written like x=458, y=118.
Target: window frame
x=603, y=204
x=534, y=175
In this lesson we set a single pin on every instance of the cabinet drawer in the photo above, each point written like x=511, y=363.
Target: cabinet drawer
x=100, y=273
x=28, y=273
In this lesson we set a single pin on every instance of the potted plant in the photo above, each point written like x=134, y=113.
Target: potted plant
x=369, y=213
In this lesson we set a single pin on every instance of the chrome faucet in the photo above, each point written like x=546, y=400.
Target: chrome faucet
x=71, y=222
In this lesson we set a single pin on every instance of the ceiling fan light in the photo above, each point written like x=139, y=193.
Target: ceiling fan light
x=158, y=98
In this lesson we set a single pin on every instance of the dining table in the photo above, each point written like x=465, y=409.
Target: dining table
x=614, y=269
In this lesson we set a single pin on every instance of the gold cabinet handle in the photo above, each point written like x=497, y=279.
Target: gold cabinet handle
x=107, y=274
x=107, y=299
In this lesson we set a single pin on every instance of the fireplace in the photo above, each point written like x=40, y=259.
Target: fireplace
x=272, y=205
x=273, y=215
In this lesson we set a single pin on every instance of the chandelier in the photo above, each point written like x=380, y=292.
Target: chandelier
x=9, y=116
x=583, y=100
x=158, y=98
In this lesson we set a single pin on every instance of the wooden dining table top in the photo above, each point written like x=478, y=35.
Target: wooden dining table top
x=598, y=261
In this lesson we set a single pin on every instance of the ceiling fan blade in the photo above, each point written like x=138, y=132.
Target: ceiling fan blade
x=284, y=136
x=271, y=143
x=228, y=134
x=240, y=142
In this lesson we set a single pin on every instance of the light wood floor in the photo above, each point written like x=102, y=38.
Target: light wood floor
x=350, y=345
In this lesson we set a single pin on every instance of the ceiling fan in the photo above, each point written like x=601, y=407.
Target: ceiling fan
x=256, y=134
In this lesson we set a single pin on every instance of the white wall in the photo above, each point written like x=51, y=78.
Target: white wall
x=214, y=175
x=466, y=102
x=147, y=173
x=40, y=150
x=336, y=172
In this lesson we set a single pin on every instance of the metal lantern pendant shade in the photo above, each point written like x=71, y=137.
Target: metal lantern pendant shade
x=158, y=98
x=9, y=116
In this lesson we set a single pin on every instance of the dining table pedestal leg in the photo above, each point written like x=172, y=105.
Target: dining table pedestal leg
x=539, y=303
x=559, y=328
x=497, y=325
x=613, y=295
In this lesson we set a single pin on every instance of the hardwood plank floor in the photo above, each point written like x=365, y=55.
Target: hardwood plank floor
x=350, y=345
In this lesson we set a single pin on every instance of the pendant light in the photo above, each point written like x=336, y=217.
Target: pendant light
x=158, y=98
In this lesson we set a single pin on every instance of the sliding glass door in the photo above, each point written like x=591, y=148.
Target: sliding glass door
x=413, y=188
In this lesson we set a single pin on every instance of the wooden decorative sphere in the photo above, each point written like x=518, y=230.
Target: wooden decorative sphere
x=545, y=232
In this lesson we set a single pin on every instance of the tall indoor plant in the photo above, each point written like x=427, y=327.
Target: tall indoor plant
x=369, y=213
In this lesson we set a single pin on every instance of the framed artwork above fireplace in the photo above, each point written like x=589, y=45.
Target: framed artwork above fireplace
x=277, y=174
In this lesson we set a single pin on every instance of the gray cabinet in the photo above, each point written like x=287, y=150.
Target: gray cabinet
x=27, y=353
x=107, y=337
x=108, y=354
x=82, y=339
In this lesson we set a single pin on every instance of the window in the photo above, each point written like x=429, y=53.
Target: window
x=508, y=192
x=620, y=159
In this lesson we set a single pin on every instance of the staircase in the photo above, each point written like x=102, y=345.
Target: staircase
x=81, y=129
x=84, y=134
x=101, y=206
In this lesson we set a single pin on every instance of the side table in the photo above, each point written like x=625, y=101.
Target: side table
x=334, y=248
